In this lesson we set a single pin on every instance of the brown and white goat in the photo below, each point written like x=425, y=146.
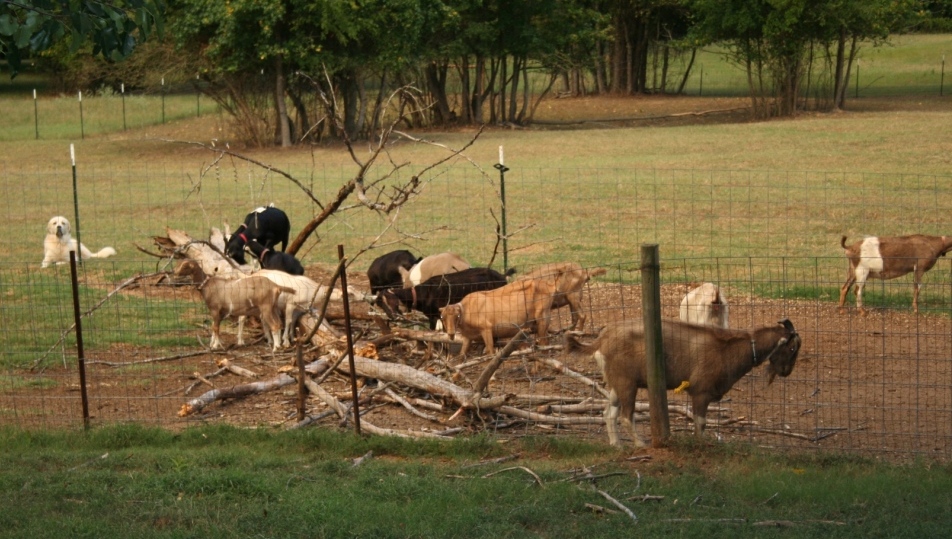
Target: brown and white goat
x=890, y=257
x=502, y=312
x=569, y=279
x=705, y=305
x=708, y=359
x=247, y=296
x=438, y=264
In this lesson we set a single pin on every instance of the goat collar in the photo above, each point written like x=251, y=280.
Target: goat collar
x=261, y=258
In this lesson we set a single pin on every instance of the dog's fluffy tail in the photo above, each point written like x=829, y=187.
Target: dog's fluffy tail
x=103, y=253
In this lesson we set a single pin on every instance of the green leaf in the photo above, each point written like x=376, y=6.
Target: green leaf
x=8, y=25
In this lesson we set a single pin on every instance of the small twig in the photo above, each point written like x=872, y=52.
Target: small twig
x=618, y=504
x=600, y=509
x=360, y=460
x=500, y=460
x=523, y=468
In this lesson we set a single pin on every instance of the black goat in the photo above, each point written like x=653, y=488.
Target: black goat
x=384, y=271
x=266, y=225
x=275, y=260
x=439, y=291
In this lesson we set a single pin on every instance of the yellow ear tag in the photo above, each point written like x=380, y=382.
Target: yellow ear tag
x=684, y=385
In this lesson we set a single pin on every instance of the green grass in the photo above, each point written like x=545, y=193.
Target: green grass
x=36, y=309
x=127, y=481
x=52, y=118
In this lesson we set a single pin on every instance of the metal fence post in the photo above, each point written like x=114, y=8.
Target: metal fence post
x=82, y=129
x=654, y=347
x=81, y=355
x=76, y=227
x=350, y=339
x=122, y=91
x=36, y=116
x=502, y=194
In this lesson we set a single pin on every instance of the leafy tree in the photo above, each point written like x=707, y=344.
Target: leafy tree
x=773, y=40
x=114, y=27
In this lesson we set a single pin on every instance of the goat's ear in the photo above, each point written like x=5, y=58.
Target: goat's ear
x=787, y=324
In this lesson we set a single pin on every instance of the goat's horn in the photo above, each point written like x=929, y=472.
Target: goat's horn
x=787, y=324
x=782, y=342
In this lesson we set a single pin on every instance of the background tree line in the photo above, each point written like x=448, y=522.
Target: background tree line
x=280, y=68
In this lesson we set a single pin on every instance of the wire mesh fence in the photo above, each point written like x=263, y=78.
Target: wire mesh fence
x=878, y=384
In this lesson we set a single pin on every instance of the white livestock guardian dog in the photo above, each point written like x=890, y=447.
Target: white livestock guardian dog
x=59, y=242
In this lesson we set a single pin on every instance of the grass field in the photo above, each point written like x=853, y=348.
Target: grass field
x=226, y=482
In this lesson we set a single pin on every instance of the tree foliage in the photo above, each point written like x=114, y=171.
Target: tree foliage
x=114, y=27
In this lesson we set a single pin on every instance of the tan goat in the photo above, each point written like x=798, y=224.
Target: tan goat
x=569, y=279
x=502, y=312
x=887, y=258
x=247, y=296
x=706, y=359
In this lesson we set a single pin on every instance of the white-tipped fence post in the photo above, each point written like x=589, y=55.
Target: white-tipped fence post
x=36, y=116
x=122, y=91
x=82, y=129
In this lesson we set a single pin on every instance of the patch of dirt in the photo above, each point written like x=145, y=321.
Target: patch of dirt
x=875, y=384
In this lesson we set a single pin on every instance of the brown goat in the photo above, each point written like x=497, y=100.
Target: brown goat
x=502, y=312
x=887, y=258
x=709, y=359
x=569, y=279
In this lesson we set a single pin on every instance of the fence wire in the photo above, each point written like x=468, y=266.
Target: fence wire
x=879, y=384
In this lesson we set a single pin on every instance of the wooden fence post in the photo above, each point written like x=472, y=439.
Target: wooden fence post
x=654, y=349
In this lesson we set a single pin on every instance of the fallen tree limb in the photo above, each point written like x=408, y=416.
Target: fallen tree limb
x=343, y=413
x=550, y=419
x=146, y=361
x=562, y=369
x=234, y=392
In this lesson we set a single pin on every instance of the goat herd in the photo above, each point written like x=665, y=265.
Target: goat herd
x=704, y=356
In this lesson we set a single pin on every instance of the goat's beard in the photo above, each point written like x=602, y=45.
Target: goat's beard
x=773, y=370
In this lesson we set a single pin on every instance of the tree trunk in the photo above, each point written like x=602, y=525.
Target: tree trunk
x=280, y=90
x=347, y=80
x=619, y=58
x=479, y=90
x=503, y=74
x=517, y=67
x=687, y=72
x=436, y=82
x=466, y=90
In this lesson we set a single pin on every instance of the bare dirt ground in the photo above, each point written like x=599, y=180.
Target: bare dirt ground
x=881, y=389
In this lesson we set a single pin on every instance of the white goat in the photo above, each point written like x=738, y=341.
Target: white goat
x=887, y=258
x=706, y=305
x=306, y=292
x=705, y=360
